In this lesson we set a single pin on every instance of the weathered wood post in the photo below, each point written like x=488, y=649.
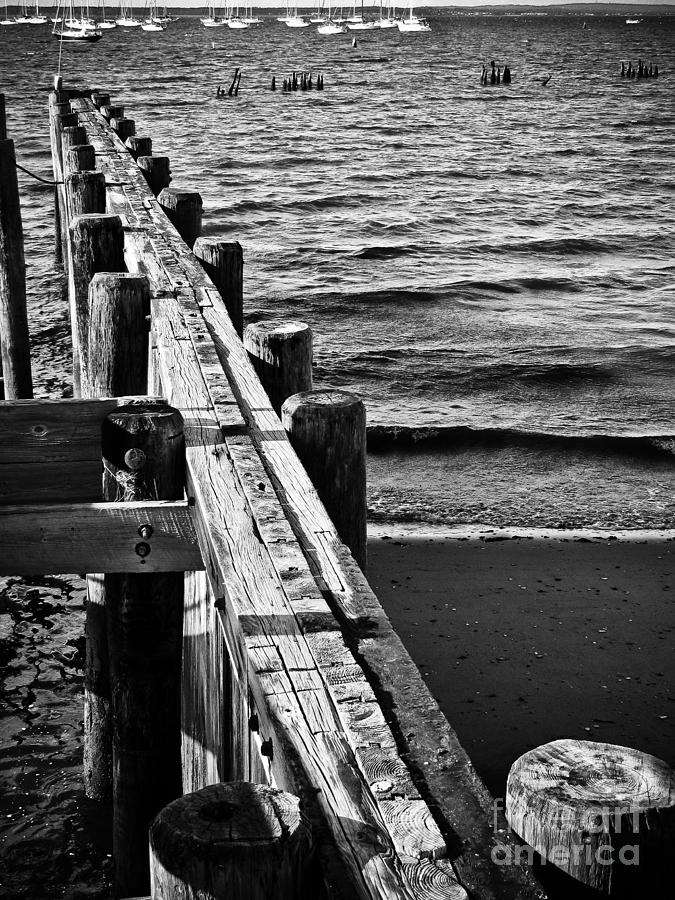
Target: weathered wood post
x=143, y=459
x=60, y=117
x=96, y=245
x=281, y=353
x=237, y=840
x=184, y=210
x=328, y=431
x=14, y=337
x=85, y=193
x=112, y=112
x=70, y=137
x=118, y=306
x=223, y=262
x=604, y=814
x=139, y=146
x=119, y=309
x=80, y=158
x=3, y=119
x=123, y=127
x=156, y=171
x=99, y=99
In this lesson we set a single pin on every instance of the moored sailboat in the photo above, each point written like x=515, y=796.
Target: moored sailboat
x=7, y=20
x=152, y=23
x=126, y=17
x=28, y=18
x=71, y=29
x=211, y=20
x=329, y=26
x=411, y=22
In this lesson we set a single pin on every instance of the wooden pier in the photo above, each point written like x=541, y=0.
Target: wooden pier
x=291, y=674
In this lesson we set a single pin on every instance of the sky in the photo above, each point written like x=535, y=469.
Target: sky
x=277, y=4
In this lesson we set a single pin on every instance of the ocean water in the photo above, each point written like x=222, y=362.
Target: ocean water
x=478, y=263
x=490, y=268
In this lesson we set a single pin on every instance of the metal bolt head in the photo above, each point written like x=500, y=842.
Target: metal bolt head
x=134, y=459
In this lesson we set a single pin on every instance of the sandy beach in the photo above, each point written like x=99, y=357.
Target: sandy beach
x=532, y=635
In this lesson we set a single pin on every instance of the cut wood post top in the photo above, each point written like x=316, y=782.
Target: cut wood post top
x=99, y=99
x=112, y=112
x=184, y=210
x=323, y=400
x=156, y=171
x=238, y=840
x=138, y=146
x=279, y=329
x=79, y=158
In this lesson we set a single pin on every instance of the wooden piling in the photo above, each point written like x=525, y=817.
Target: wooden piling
x=139, y=146
x=96, y=245
x=184, y=210
x=156, y=170
x=70, y=137
x=328, y=432
x=85, y=193
x=80, y=158
x=3, y=119
x=237, y=840
x=604, y=814
x=119, y=308
x=18, y=382
x=99, y=99
x=143, y=458
x=223, y=262
x=124, y=128
x=112, y=112
x=281, y=353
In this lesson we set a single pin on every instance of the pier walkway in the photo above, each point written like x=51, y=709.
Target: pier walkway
x=292, y=675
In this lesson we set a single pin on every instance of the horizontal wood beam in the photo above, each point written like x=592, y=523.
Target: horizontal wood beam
x=156, y=536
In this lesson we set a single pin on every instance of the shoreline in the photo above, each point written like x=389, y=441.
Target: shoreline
x=526, y=635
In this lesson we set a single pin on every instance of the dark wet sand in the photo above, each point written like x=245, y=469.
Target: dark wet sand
x=525, y=640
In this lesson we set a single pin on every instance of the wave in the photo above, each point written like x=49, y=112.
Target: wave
x=389, y=437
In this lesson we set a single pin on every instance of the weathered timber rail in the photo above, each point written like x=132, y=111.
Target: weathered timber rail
x=292, y=674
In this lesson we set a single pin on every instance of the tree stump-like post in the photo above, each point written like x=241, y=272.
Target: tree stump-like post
x=85, y=194
x=119, y=308
x=14, y=336
x=156, y=171
x=223, y=262
x=112, y=112
x=99, y=99
x=143, y=459
x=328, y=432
x=236, y=840
x=96, y=245
x=602, y=813
x=70, y=137
x=281, y=353
x=184, y=211
x=80, y=158
x=139, y=146
x=124, y=128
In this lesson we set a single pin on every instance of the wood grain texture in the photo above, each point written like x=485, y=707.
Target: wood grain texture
x=281, y=353
x=98, y=537
x=604, y=814
x=238, y=840
x=271, y=588
x=14, y=337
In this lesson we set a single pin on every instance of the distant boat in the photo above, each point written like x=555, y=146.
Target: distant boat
x=28, y=18
x=104, y=24
x=329, y=26
x=234, y=20
x=126, y=17
x=388, y=20
x=413, y=22
x=633, y=21
x=249, y=18
x=211, y=20
x=296, y=21
x=69, y=29
x=152, y=23
x=7, y=20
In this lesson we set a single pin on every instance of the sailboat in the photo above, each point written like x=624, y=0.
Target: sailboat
x=317, y=17
x=329, y=26
x=31, y=18
x=413, y=23
x=388, y=20
x=249, y=18
x=74, y=30
x=288, y=15
x=152, y=23
x=104, y=24
x=234, y=20
x=126, y=17
x=211, y=20
x=7, y=20
x=356, y=22
x=296, y=21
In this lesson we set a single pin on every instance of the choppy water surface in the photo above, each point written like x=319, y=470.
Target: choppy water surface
x=476, y=262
